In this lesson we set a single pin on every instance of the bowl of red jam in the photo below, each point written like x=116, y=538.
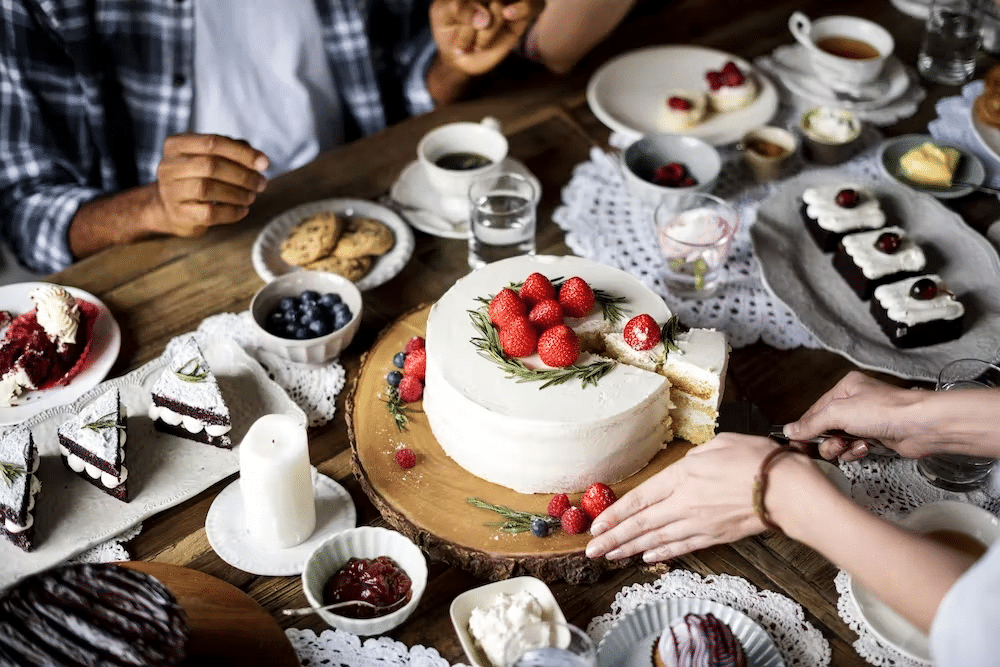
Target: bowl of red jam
x=367, y=564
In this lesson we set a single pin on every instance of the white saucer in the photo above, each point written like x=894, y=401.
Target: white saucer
x=228, y=534
x=795, y=71
x=436, y=214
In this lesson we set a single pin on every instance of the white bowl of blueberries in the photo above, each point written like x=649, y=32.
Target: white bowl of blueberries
x=307, y=316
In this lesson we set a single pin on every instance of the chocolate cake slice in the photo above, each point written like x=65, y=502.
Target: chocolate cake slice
x=91, y=614
x=187, y=401
x=830, y=211
x=92, y=444
x=869, y=259
x=18, y=486
x=915, y=312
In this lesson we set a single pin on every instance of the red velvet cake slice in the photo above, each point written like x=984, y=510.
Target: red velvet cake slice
x=92, y=444
x=187, y=401
x=18, y=486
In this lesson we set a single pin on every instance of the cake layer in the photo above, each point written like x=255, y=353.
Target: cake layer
x=560, y=438
x=18, y=486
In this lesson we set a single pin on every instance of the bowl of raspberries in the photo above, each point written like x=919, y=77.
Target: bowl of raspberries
x=307, y=316
x=659, y=168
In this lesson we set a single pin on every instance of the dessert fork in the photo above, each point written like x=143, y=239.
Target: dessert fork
x=776, y=432
x=305, y=611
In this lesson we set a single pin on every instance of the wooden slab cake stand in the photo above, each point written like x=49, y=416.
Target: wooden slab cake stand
x=429, y=502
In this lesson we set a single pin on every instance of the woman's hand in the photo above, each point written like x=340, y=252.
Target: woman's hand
x=706, y=498
x=474, y=37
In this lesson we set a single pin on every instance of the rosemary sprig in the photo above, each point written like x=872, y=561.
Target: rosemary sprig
x=488, y=344
x=109, y=420
x=195, y=374
x=668, y=336
x=10, y=472
x=514, y=521
x=398, y=409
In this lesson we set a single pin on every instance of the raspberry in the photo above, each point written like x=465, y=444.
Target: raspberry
x=415, y=364
x=505, y=306
x=673, y=175
x=732, y=78
x=576, y=297
x=714, y=80
x=679, y=103
x=410, y=389
x=574, y=521
x=558, y=505
x=536, y=288
x=558, y=346
x=641, y=332
x=546, y=314
x=415, y=343
x=730, y=66
x=518, y=338
x=597, y=498
x=405, y=457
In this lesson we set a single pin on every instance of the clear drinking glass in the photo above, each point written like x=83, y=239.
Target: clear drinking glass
x=695, y=239
x=549, y=644
x=951, y=41
x=502, y=218
x=954, y=472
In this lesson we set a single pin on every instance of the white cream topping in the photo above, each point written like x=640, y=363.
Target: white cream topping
x=34, y=486
x=491, y=626
x=12, y=385
x=192, y=425
x=874, y=263
x=57, y=313
x=78, y=465
x=821, y=206
x=831, y=126
x=188, y=359
x=901, y=307
x=730, y=98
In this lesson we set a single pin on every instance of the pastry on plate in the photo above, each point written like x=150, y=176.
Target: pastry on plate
x=833, y=210
x=730, y=88
x=698, y=640
x=92, y=444
x=930, y=165
x=920, y=311
x=18, y=486
x=869, y=259
x=684, y=109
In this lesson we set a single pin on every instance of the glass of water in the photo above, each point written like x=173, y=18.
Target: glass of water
x=951, y=41
x=501, y=218
x=549, y=644
x=955, y=472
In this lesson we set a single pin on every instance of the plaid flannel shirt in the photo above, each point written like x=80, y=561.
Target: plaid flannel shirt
x=90, y=89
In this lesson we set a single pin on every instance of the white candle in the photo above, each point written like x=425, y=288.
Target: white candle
x=276, y=482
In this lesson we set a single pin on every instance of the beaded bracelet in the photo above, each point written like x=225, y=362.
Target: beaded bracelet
x=760, y=486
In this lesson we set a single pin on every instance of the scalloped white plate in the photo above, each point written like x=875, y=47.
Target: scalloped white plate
x=629, y=642
x=105, y=344
x=628, y=92
x=266, y=252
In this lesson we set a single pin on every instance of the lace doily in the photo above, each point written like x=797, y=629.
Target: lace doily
x=112, y=551
x=336, y=647
x=603, y=222
x=313, y=388
x=801, y=643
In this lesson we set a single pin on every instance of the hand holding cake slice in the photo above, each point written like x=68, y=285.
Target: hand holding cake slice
x=187, y=401
x=18, y=486
x=92, y=444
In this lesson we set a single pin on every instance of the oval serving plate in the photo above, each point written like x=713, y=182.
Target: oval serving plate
x=629, y=642
x=266, y=252
x=970, y=168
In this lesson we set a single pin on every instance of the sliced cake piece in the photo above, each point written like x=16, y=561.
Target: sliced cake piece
x=920, y=311
x=18, y=486
x=832, y=210
x=187, y=401
x=869, y=259
x=92, y=444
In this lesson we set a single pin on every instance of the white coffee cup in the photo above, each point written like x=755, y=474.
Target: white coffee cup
x=846, y=52
x=482, y=139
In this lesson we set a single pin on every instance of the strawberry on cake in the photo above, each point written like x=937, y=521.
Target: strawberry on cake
x=47, y=346
x=684, y=109
x=541, y=408
x=730, y=88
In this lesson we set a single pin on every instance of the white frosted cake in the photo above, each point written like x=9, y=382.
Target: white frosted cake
x=535, y=438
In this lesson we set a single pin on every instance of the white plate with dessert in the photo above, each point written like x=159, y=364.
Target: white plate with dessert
x=940, y=164
x=105, y=342
x=382, y=266
x=632, y=94
x=803, y=277
x=632, y=639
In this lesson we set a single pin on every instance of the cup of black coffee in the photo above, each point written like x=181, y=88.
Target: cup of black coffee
x=456, y=154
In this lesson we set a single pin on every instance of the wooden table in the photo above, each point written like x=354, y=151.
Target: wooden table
x=162, y=288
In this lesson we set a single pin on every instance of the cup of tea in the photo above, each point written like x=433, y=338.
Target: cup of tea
x=846, y=52
x=456, y=154
x=961, y=526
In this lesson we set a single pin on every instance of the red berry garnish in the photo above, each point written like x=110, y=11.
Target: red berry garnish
x=730, y=66
x=576, y=297
x=505, y=306
x=415, y=343
x=847, y=198
x=546, y=314
x=924, y=289
x=888, y=242
x=536, y=288
x=574, y=521
x=410, y=389
x=714, y=80
x=679, y=103
x=641, y=332
x=518, y=338
x=597, y=498
x=559, y=347
x=732, y=78
x=558, y=505
x=673, y=175
x=405, y=457
x=415, y=364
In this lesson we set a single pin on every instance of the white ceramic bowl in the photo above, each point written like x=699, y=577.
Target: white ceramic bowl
x=310, y=350
x=641, y=159
x=483, y=596
x=364, y=542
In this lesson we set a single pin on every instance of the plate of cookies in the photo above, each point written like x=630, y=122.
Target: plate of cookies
x=363, y=241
